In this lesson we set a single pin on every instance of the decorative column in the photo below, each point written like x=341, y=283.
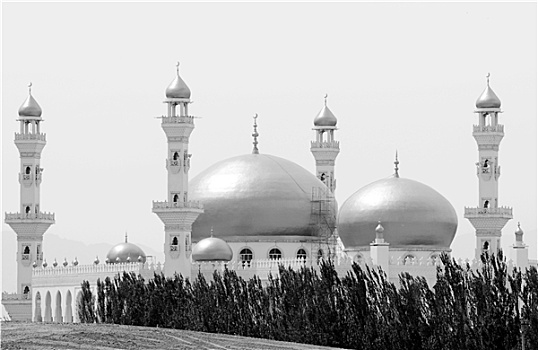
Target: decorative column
x=488, y=218
x=30, y=223
x=379, y=249
x=177, y=212
x=520, y=251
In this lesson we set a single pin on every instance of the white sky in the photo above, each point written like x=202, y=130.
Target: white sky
x=399, y=76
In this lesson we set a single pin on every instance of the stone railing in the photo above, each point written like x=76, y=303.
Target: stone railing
x=325, y=144
x=139, y=268
x=488, y=128
x=15, y=296
x=177, y=119
x=173, y=205
x=40, y=137
x=504, y=211
x=30, y=216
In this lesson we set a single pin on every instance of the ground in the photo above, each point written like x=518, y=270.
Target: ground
x=23, y=335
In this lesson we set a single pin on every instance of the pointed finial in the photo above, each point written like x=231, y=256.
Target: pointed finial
x=325, y=97
x=255, y=135
x=177, y=67
x=487, y=78
x=125, y=236
x=211, y=231
x=396, y=162
x=30, y=88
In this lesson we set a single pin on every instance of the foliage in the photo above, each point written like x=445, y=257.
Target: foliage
x=479, y=309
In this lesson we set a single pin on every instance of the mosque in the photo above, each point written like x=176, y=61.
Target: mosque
x=253, y=212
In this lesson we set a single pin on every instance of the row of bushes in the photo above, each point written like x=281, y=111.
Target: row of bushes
x=488, y=309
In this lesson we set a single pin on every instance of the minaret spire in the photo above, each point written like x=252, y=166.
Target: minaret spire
x=255, y=135
x=30, y=88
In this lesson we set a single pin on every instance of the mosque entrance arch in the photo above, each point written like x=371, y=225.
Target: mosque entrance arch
x=58, y=308
x=37, y=312
x=68, y=316
x=48, y=308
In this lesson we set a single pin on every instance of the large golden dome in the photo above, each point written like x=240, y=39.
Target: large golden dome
x=411, y=213
x=125, y=252
x=254, y=195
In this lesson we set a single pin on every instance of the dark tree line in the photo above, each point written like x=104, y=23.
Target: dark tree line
x=466, y=309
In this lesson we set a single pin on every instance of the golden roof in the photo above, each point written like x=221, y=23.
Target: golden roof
x=325, y=117
x=30, y=108
x=125, y=252
x=488, y=99
x=412, y=214
x=178, y=88
x=212, y=249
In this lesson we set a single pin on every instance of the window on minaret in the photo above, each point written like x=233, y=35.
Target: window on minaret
x=176, y=197
x=26, y=250
x=26, y=290
x=28, y=170
x=486, y=204
x=176, y=156
x=174, y=241
x=486, y=245
x=27, y=209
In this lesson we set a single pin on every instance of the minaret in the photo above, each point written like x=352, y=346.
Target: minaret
x=29, y=223
x=520, y=251
x=488, y=218
x=177, y=212
x=379, y=249
x=325, y=149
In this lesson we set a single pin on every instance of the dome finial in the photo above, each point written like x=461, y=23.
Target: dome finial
x=211, y=231
x=487, y=78
x=325, y=97
x=177, y=68
x=396, y=162
x=125, y=236
x=255, y=135
x=30, y=88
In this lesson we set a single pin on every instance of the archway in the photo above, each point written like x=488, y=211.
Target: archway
x=68, y=316
x=48, y=308
x=58, y=308
x=37, y=310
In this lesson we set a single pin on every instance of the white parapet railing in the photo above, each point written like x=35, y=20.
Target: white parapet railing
x=113, y=269
x=177, y=119
x=30, y=216
x=488, y=128
x=504, y=211
x=36, y=136
x=325, y=144
x=16, y=296
x=174, y=205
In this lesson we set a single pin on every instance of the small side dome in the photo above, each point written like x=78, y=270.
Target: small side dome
x=212, y=249
x=30, y=108
x=178, y=88
x=125, y=252
x=488, y=99
x=325, y=117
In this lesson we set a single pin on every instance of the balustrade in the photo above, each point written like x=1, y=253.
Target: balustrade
x=177, y=119
x=36, y=136
x=172, y=205
x=488, y=128
x=505, y=211
x=31, y=216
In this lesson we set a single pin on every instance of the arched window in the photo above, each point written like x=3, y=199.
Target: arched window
x=486, y=204
x=28, y=170
x=176, y=197
x=320, y=254
x=176, y=156
x=275, y=254
x=26, y=250
x=486, y=245
x=301, y=254
x=409, y=258
x=26, y=290
x=358, y=258
x=245, y=255
x=434, y=258
x=27, y=209
x=174, y=241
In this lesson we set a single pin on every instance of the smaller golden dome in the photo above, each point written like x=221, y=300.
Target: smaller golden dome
x=325, y=117
x=30, y=108
x=178, y=88
x=488, y=99
x=125, y=252
x=212, y=249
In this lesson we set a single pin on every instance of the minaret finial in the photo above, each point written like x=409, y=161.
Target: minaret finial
x=125, y=236
x=325, y=97
x=177, y=67
x=255, y=135
x=396, y=162
x=30, y=88
x=487, y=78
x=211, y=231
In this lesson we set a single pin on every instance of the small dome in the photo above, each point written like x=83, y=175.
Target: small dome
x=125, y=252
x=178, y=88
x=212, y=249
x=30, y=108
x=325, y=117
x=488, y=99
x=519, y=233
x=412, y=214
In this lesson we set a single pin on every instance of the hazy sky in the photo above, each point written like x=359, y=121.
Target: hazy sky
x=399, y=76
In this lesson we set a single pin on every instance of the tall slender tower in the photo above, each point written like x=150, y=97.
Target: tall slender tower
x=177, y=212
x=325, y=149
x=488, y=218
x=29, y=223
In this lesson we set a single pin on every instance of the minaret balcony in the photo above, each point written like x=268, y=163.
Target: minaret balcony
x=171, y=206
x=177, y=119
x=29, y=217
x=488, y=128
x=36, y=136
x=325, y=144
x=503, y=212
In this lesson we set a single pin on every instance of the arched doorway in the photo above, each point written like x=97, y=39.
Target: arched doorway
x=48, y=308
x=37, y=310
x=68, y=317
x=58, y=308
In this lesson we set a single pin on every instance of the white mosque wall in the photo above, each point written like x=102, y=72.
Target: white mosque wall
x=289, y=249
